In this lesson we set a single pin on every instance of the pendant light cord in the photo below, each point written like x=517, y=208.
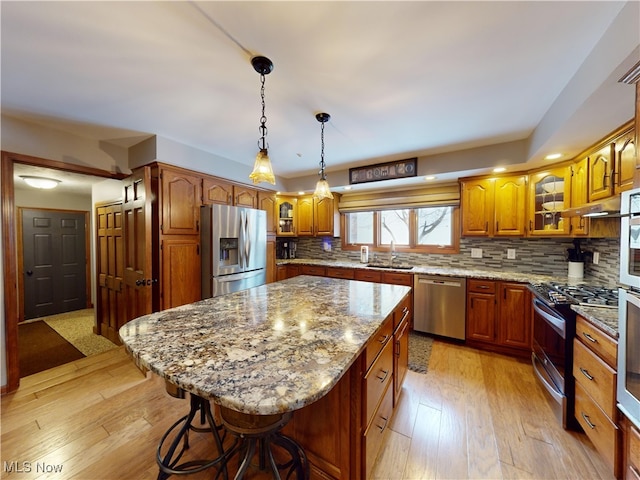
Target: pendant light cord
x=322, y=174
x=262, y=144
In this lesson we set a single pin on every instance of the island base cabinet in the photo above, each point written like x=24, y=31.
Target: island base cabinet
x=375, y=433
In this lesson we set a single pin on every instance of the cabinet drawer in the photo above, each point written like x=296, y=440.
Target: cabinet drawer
x=397, y=278
x=596, y=377
x=375, y=433
x=598, y=341
x=340, y=273
x=312, y=270
x=376, y=380
x=481, y=286
x=634, y=449
x=401, y=312
x=603, y=434
x=376, y=343
x=368, y=275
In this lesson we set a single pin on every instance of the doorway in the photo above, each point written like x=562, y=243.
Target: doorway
x=54, y=248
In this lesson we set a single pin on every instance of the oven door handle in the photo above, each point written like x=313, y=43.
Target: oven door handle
x=558, y=323
x=541, y=373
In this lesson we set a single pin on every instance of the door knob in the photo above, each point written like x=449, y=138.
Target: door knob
x=29, y=272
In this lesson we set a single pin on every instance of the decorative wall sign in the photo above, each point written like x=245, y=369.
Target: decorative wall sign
x=383, y=171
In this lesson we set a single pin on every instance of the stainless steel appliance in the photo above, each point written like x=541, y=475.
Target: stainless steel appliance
x=234, y=249
x=628, y=387
x=286, y=248
x=440, y=305
x=554, y=328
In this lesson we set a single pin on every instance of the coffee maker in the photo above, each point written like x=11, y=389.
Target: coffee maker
x=286, y=248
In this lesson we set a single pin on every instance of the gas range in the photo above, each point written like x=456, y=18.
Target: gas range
x=555, y=293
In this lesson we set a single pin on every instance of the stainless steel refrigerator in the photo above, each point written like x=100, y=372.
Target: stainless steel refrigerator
x=234, y=249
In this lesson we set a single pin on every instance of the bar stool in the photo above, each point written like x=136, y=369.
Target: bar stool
x=262, y=431
x=169, y=463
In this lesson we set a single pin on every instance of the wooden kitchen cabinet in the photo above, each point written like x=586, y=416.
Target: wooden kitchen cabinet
x=216, y=191
x=625, y=154
x=401, y=326
x=313, y=270
x=315, y=217
x=337, y=272
x=579, y=226
x=631, y=449
x=244, y=196
x=498, y=316
x=180, y=194
x=549, y=195
x=594, y=370
x=267, y=201
x=601, y=168
x=494, y=206
x=286, y=216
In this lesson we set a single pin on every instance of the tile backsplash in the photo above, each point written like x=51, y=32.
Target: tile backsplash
x=543, y=256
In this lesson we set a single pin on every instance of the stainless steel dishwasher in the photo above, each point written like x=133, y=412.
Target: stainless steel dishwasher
x=440, y=305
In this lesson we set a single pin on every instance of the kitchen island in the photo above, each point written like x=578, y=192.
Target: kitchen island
x=306, y=344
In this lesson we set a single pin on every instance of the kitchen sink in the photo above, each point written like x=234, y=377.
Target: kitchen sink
x=395, y=267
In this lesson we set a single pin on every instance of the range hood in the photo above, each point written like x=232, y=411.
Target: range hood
x=609, y=207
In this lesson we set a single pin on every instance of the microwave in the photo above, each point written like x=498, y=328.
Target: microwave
x=628, y=386
x=630, y=238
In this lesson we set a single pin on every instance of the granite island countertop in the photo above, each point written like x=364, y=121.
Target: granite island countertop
x=606, y=319
x=266, y=350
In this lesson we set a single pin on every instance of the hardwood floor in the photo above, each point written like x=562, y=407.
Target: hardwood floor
x=473, y=415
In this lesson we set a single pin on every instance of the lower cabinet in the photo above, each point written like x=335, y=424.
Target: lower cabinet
x=631, y=452
x=342, y=432
x=499, y=316
x=594, y=369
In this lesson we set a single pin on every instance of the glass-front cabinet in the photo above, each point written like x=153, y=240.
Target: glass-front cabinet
x=286, y=216
x=549, y=195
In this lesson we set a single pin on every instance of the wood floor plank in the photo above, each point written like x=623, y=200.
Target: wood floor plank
x=473, y=415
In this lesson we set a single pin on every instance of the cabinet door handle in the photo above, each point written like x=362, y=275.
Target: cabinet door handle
x=384, y=425
x=383, y=339
x=384, y=376
x=586, y=373
x=589, y=337
x=586, y=419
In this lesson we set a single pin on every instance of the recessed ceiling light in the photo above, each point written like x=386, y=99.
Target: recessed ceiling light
x=300, y=193
x=553, y=156
x=40, y=182
x=430, y=177
x=499, y=169
x=347, y=187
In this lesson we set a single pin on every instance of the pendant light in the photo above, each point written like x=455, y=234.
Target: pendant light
x=322, y=187
x=262, y=171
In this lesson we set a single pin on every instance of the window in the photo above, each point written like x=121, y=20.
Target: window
x=425, y=229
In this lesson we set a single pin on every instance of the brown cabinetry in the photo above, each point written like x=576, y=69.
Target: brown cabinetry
x=594, y=363
x=343, y=431
x=179, y=197
x=347, y=273
x=315, y=217
x=631, y=453
x=494, y=206
x=216, y=191
x=549, y=195
x=286, y=211
x=313, y=270
x=578, y=225
x=498, y=316
x=267, y=202
x=601, y=169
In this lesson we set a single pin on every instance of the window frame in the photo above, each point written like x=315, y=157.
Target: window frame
x=413, y=246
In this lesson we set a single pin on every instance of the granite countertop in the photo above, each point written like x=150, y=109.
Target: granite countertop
x=606, y=319
x=266, y=350
x=426, y=270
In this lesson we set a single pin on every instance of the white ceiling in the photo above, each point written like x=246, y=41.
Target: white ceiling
x=400, y=79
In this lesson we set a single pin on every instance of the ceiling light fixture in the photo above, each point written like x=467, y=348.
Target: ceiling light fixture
x=499, y=170
x=262, y=171
x=40, y=182
x=553, y=156
x=322, y=187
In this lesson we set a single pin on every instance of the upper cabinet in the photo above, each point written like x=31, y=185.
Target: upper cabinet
x=612, y=164
x=267, y=202
x=286, y=216
x=579, y=226
x=494, y=206
x=315, y=217
x=549, y=194
x=245, y=196
x=216, y=191
x=180, y=202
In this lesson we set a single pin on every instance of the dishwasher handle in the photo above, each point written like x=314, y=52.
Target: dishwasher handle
x=445, y=283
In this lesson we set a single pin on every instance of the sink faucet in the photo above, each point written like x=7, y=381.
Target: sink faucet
x=392, y=250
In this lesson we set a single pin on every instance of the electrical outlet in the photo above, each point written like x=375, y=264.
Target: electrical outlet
x=476, y=253
x=596, y=258
x=511, y=253
x=327, y=246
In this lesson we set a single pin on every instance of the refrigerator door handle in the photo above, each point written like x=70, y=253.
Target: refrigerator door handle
x=247, y=240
